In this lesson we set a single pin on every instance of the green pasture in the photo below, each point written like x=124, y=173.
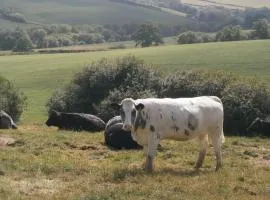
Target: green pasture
x=231, y=3
x=39, y=75
x=89, y=12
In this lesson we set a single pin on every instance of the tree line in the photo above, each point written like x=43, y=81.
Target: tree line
x=260, y=30
x=59, y=35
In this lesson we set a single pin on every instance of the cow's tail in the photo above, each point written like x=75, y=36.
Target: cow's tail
x=222, y=138
x=14, y=126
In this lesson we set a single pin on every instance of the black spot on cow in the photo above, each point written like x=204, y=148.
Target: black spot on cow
x=6, y=122
x=75, y=121
x=117, y=138
x=176, y=128
x=147, y=117
x=192, y=122
x=173, y=117
x=186, y=132
x=140, y=122
x=152, y=128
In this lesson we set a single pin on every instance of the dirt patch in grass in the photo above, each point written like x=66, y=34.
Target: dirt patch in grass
x=37, y=186
x=6, y=140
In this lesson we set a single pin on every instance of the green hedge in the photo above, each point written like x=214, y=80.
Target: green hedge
x=12, y=101
x=109, y=81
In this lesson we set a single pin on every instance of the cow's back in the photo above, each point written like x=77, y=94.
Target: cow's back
x=173, y=117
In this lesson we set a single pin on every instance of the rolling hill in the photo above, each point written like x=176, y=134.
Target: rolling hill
x=230, y=3
x=39, y=75
x=89, y=12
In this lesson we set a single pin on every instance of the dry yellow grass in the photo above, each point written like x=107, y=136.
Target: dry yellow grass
x=50, y=164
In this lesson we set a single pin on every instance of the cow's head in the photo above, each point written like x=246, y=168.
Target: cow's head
x=54, y=118
x=128, y=112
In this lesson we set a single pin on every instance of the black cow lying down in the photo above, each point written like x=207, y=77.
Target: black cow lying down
x=75, y=121
x=260, y=126
x=6, y=122
x=116, y=137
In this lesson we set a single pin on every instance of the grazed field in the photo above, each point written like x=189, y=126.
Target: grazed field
x=39, y=75
x=50, y=164
x=230, y=3
x=89, y=12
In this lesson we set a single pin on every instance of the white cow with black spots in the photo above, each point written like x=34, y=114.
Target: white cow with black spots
x=152, y=120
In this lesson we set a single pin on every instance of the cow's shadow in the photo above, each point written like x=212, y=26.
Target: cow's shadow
x=170, y=171
x=184, y=172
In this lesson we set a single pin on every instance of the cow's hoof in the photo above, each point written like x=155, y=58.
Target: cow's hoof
x=218, y=167
x=148, y=169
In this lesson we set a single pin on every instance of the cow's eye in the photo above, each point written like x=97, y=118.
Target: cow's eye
x=133, y=113
x=122, y=113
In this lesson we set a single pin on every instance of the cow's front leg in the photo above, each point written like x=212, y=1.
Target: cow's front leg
x=151, y=152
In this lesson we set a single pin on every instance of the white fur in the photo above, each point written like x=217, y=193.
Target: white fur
x=171, y=118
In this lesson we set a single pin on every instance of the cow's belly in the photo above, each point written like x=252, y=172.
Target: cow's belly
x=180, y=135
x=141, y=137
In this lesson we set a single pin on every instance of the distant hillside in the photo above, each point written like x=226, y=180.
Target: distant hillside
x=89, y=12
x=230, y=3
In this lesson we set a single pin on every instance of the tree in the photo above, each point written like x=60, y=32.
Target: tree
x=188, y=38
x=146, y=35
x=23, y=42
x=261, y=29
x=38, y=37
x=7, y=40
x=229, y=33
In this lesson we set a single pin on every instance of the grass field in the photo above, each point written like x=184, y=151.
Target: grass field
x=89, y=12
x=49, y=164
x=39, y=75
x=242, y=3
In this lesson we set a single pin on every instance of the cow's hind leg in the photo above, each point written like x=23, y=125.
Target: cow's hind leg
x=204, y=144
x=217, y=142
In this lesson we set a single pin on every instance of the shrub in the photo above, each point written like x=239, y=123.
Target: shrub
x=243, y=102
x=229, y=33
x=195, y=37
x=12, y=101
x=243, y=99
x=188, y=38
x=105, y=82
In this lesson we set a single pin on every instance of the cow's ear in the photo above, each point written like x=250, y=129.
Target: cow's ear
x=115, y=106
x=139, y=107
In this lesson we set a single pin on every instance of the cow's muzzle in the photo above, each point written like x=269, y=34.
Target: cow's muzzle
x=127, y=127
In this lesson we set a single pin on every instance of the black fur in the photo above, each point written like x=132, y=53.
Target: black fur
x=259, y=126
x=176, y=128
x=117, y=138
x=152, y=128
x=75, y=121
x=186, y=132
x=192, y=122
x=112, y=121
x=6, y=122
x=140, y=122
